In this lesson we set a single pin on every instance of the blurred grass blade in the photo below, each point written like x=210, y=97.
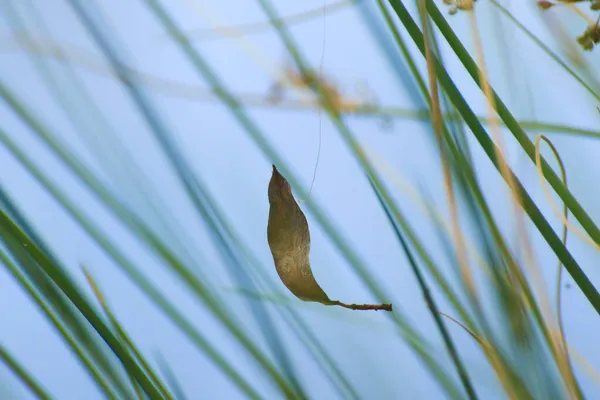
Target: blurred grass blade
x=170, y=377
x=23, y=375
x=187, y=178
x=63, y=312
x=233, y=104
x=548, y=50
x=125, y=337
x=301, y=329
x=131, y=271
x=450, y=347
x=490, y=149
x=75, y=344
x=468, y=258
x=71, y=56
x=512, y=124
x=98, y=134
x=10, y=234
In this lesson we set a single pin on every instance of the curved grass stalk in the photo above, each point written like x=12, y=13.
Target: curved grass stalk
x=587, y=367
x=474, y=186
x=489, y=350
x=564, y=218
x=595, y=375
x=395, y=216
x=466, y=328
x=560, y=357
x=466, y=171
x=488, y=146
x=562, y=215
x=576, y=209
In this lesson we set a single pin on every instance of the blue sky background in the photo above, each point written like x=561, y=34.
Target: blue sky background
x=367, y=345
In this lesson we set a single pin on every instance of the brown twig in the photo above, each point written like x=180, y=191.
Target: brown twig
x=376, y=307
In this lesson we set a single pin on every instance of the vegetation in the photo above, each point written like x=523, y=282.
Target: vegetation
x=489, y=289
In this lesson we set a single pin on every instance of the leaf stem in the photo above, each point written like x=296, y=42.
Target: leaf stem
x=376, y=307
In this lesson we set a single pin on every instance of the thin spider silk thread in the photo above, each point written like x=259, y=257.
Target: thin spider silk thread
x=320, y=108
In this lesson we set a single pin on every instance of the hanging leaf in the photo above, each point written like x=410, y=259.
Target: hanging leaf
x=289, y=240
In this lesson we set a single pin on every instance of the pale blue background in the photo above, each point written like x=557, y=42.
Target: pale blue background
x=375, y=358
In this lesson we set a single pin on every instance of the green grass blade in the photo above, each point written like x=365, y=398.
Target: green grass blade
x=23, y=375
x=189, y=183
x=576, y=209
x=170, y=377
x=12, y=232
x=125, y=337
x=431, y=304
x=64, y=310
x=76, y=346
x=235, y=107
x=490, y=149
x=130, y=270
x=546, y=49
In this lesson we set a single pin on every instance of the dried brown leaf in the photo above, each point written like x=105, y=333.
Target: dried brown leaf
x=289, y=240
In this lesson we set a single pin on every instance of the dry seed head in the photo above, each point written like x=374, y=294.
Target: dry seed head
x=463, y=5
x=545, y=5
x=590, y=37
